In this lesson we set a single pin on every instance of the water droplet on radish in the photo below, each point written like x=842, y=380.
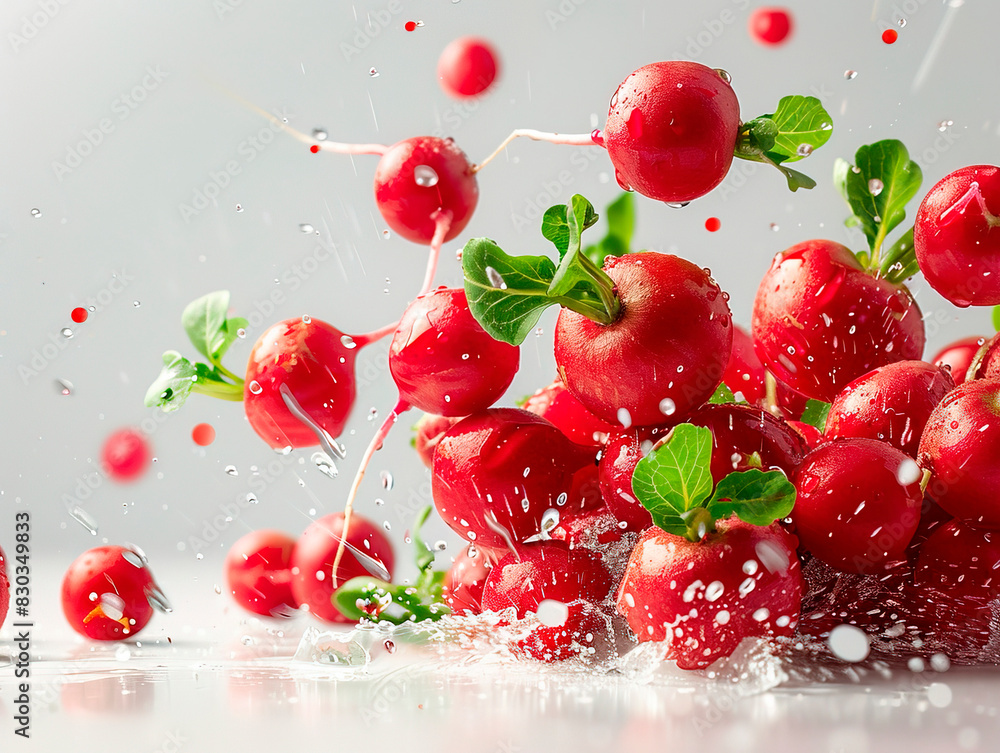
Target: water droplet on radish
x=724, y=75
x=908, y=472
x=634, y=123
x=561, y=499
x=667, y=406
x=722, y=617
x=875, y=186
x=761, y=614
x=348, y=342
x=677, y=204
x=597, y=136
x=320, y=134
x=255, y=388
x=622, y=183
x=714, y=590
x=306, y=319
x=113, y=606
x=425, y=176
x=624, y=417
x=552, y=613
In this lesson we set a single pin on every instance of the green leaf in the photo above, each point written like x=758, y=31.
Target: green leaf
x=899, y=263
x=756, y=497
x=423, y=555
x=802, y=125
x=174, y=383
x=996, y=318
x=620, y=215
x=207, y=326
x=877, y=187
x=675, y=478
x=815, y=414
x=506, y=294
x=722, y=395
x=573, y=269
x=366, y=598
x=556, y=224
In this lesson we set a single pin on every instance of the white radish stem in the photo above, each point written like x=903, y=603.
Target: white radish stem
x=376, y=443
x=571, y=139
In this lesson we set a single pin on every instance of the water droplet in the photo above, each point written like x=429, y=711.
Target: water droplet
x=667, y=406
x=848, y=643
x=761, y=614
x=389, y=646
x=677, y=204
x=158, y=600
x=944, y=125
x=425, y=176
x=850, y=75
x=724, y=75
x=306, y=228
x=804, y=150
x=348, y=342
x=252, y=498
x=597, y=136
x=495, y=279
x=373, y=72
x=386, y=526
x=36, y=212
x=241, y=333
x=255, y=388
x=239, y=207
x=561, y=499
x=320, y=134
x=901, y=22
x=324, y=463
x=552, y=613
x=875, y=186
x=113, y=606
x=386, y=478
x=634, y=123
x=714, y=590
x=386, y=234
x=624, y=417
x=440, y=546
x=84, y=518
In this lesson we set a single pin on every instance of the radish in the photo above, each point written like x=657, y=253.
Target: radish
x=463, y=584
x=467, y=67
x=960, y=447
x=558, y=405
x=891, y=403
x=958, y=356
x=559, y=584
x=705, y=597
x=125, y=454
x=820, y=320
x=857, y=504
x=745, y=375
x=615, y=468
x=770, y=26
x=674, y=127
x=315, y=577
x=957, y=236
x=986, y=362
x=961, y=561
x=428, y=432
x=497, y=473
x=258, y=573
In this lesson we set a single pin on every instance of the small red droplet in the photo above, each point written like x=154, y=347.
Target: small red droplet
x=889, y=36
x=712, y=224
x=410, y=25
x=203, y=434
x=125, y=454
x=79, y=315
x=770, y=26
x=314, y=149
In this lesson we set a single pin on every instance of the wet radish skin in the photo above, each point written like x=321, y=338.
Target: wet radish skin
x=820, y=321
x=111, y=570
x=557, y=404
x=671, y=341
x=891, y=403
x=462, y=588
x=960, y=446
x=957, y=243
x=958, y=356
x=258, y=573
x=746, y=374
x=857, y=504
x=672, y=129
x=741, y=581
x=409, y=208
x=961, y=561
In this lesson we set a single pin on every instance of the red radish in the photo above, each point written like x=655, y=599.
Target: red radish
x=314, y=578
x=961, y=561
x=662, y=357
x=444, y=362
x=704, y=598
x=463, y=584
x=423, y=181
x=310, y=362
x=770, y=26
x=467, y=67
x=559, y=584
x=956, y=236
x=497, y=472
x=618, y=461
x=746, y=375
x=857, y=504
x=672, y=129
x=958, y=356
x=932, y=518
x=106, y=593
x=4, y=589
x=126, y=454
x=986, y=362
x=820, y=321
x=812, y=436
x=585, y=490
x=960, y=446
x=429, y=431
x=592, y=529
x=203, y=435
x=558, y=405
x=258, y=573
x=891, y=403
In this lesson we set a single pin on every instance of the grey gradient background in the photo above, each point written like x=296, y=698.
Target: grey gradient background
x=119, y=211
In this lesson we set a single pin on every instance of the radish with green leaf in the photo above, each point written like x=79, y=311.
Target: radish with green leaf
x=714, y=568
x=824, y=316
x=644, y=339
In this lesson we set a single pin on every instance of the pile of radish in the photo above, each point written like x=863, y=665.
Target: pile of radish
x=682, y=481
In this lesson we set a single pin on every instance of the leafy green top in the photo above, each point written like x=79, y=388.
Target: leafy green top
x=674, y=483
x=507, y=294
x=877, y=187
x=211, y=331
x=816, y=413
x=797, y=127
